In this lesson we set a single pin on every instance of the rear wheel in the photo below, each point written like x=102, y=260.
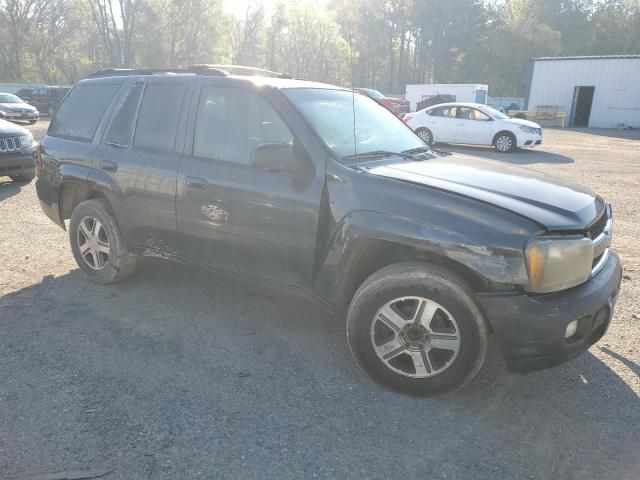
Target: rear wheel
x=425, y=134
x=505, y=142
x=97, y=244
x=416, y=328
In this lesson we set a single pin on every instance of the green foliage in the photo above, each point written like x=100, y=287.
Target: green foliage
x=382, y=44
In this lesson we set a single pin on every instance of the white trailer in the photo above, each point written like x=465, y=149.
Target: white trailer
x=463, y=92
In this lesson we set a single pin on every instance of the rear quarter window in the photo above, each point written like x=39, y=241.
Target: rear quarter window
x=80, y=113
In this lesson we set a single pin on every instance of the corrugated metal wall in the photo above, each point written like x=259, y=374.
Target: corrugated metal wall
x=616, y=81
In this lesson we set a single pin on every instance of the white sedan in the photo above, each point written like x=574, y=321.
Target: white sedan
x=473, y=124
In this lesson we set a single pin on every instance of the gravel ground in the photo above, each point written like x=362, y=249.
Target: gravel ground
x=180, y=374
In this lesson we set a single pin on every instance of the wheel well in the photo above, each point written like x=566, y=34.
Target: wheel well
x=72, y=194
x=495, y=137
x=375, y=255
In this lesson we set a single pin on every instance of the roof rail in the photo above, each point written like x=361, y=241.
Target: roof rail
x=243, y=70
x=115, y=72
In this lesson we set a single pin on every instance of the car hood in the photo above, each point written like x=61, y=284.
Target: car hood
x=546, y=200
x=11, y=129
x=17, y=106
x=522, y=121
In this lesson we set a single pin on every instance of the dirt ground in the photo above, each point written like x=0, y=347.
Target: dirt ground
x=180, y=374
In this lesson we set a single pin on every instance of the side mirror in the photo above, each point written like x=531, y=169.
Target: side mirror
x=275, y=157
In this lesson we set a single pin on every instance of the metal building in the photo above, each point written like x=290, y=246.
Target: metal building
x=602, y=91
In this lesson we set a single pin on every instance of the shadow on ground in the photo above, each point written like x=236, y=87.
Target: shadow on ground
x=184, y=373
x=518, y=157
x=9, y=188
x=608, y=132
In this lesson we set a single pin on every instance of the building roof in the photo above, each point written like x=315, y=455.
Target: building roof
x=588, y=57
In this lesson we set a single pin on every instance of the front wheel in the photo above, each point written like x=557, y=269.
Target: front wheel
x=416, y=328
x=426, y=135
x=97, y=244
x=505, y=142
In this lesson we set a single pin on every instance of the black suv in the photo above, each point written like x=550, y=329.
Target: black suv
x=431, y=256
x=45, y=99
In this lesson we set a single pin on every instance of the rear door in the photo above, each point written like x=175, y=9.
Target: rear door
x=442, y=123
x=140, y=152
x=234, y=215
x=473, y=127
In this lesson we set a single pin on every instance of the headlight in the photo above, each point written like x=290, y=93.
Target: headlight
x=558, y=263
x=526, y=129
x=26, y=140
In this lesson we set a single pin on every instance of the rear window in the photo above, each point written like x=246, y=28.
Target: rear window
x=80, y=113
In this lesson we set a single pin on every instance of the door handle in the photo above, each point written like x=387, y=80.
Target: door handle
x=108, y=166
x=195, y=182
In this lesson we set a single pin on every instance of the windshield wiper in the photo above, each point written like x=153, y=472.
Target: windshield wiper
x=376, y=154
x=413, y=151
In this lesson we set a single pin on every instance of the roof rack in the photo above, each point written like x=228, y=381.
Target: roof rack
x=199, y=70
x=242, y=70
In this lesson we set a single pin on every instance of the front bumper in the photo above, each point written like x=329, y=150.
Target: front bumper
x=19, y=117
x=530, y=329
x=528, y=140
x=18, y=164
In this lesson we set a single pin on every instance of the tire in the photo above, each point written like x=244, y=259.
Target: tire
x=107, y=259
x=425, y=135
x=32, y=122
x=505, y=142
x=455, y=318
x=22, y=178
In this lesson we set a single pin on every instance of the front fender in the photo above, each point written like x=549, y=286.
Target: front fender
x=353, y=236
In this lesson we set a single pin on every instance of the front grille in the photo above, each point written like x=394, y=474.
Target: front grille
x=600, y=234
x=597, y=227
x=10, y=145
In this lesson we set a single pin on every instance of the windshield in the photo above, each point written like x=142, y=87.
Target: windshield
x=492, y=112
x=331, y=114
x=9, y=98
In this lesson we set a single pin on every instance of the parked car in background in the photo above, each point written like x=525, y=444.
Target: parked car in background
x=309, y=186
x=46, y=99
x=17, y=148
x=15, y=109
x=397, y=106
x=473, y=124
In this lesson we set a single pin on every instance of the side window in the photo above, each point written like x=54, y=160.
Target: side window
x=124, y=119
x=232, y=122
x=449, y=112
x=80, y=113
x=467, y=113
x=158, y=117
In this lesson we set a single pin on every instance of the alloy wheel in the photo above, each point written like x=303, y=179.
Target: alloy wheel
x=93, y=243
x=504, y=143
x=415, y=337
x=425, y=136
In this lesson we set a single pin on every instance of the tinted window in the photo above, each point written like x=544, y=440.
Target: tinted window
x=232, y=122
x=124, y=119
x=158, y=116
x=80, y=113
x=449, y=112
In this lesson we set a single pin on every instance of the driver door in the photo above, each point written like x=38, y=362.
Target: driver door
x=233, y=214
x=473, y=127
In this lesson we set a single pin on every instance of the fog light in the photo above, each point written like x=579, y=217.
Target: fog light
x=571, y=329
